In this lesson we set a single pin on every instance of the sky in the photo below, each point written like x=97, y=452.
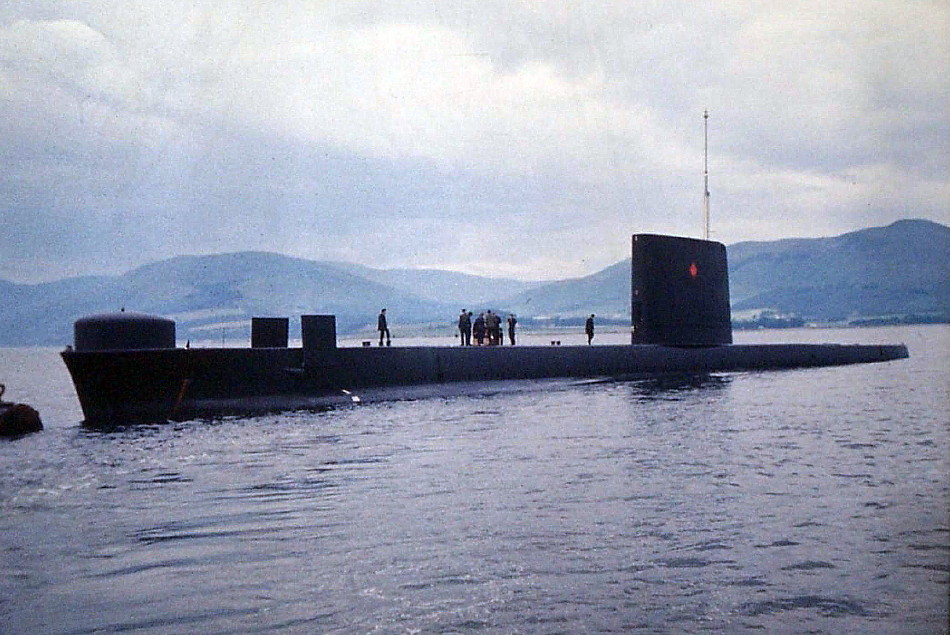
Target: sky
x=525, y=139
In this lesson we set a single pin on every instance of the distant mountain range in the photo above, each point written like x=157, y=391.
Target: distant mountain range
x=898, y=270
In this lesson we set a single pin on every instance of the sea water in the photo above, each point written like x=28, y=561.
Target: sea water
x=800, y=501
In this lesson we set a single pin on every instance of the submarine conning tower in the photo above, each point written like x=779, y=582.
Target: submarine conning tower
x=123, y=331
x=679, y=292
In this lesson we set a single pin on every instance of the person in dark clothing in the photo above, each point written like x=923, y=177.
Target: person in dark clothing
x=465, y=328
x=511, y=328
x=383, y=327
x=589, y=328
x=478, y=329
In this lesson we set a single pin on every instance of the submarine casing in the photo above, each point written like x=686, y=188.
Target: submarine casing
x=155, y=385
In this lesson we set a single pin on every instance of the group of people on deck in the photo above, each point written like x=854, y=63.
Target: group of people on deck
x=486, y=329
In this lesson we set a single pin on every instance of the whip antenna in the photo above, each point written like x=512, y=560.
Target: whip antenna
x=706, y=175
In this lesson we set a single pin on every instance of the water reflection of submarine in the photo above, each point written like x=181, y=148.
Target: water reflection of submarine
x=125, y=366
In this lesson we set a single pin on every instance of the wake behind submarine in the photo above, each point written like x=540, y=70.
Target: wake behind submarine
x=126, y=367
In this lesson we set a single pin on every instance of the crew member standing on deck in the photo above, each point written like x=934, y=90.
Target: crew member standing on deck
x=383, y=327
x=511, y=328
x=465, y=328
x=478, y=328
x=589, y=328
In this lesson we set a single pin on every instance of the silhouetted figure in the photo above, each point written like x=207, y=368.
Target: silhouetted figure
x=383, y=328
x=478, y=329
x=589, y=328
x=493, y=322
x=511, y=328
x=465, y=328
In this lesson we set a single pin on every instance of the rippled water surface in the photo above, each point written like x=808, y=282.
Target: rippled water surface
x=784, y=502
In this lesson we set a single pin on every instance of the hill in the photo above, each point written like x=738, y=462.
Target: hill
x=606, y=293
x=443, y=286
x=903, y=268
x=896, y=270
x=210, y=297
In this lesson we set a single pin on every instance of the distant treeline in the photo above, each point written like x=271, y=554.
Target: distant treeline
x=767, y=321
x=901, y=319
x=570, y=322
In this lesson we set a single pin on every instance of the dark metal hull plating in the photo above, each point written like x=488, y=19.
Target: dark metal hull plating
x=118, y=387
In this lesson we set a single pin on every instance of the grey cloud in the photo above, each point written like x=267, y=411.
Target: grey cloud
x=529, y=137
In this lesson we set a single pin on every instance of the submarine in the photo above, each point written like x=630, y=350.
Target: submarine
x=126, y=367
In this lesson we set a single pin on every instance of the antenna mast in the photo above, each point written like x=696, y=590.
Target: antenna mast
x=706, y=175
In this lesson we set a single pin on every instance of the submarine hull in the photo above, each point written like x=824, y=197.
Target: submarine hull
x=118, y=387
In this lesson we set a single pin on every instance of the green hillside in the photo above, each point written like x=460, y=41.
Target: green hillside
x=899, y=269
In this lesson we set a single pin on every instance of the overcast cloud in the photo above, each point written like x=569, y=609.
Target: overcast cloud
x=527, y=139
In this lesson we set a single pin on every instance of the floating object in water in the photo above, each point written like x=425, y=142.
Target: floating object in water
x=17, y=418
